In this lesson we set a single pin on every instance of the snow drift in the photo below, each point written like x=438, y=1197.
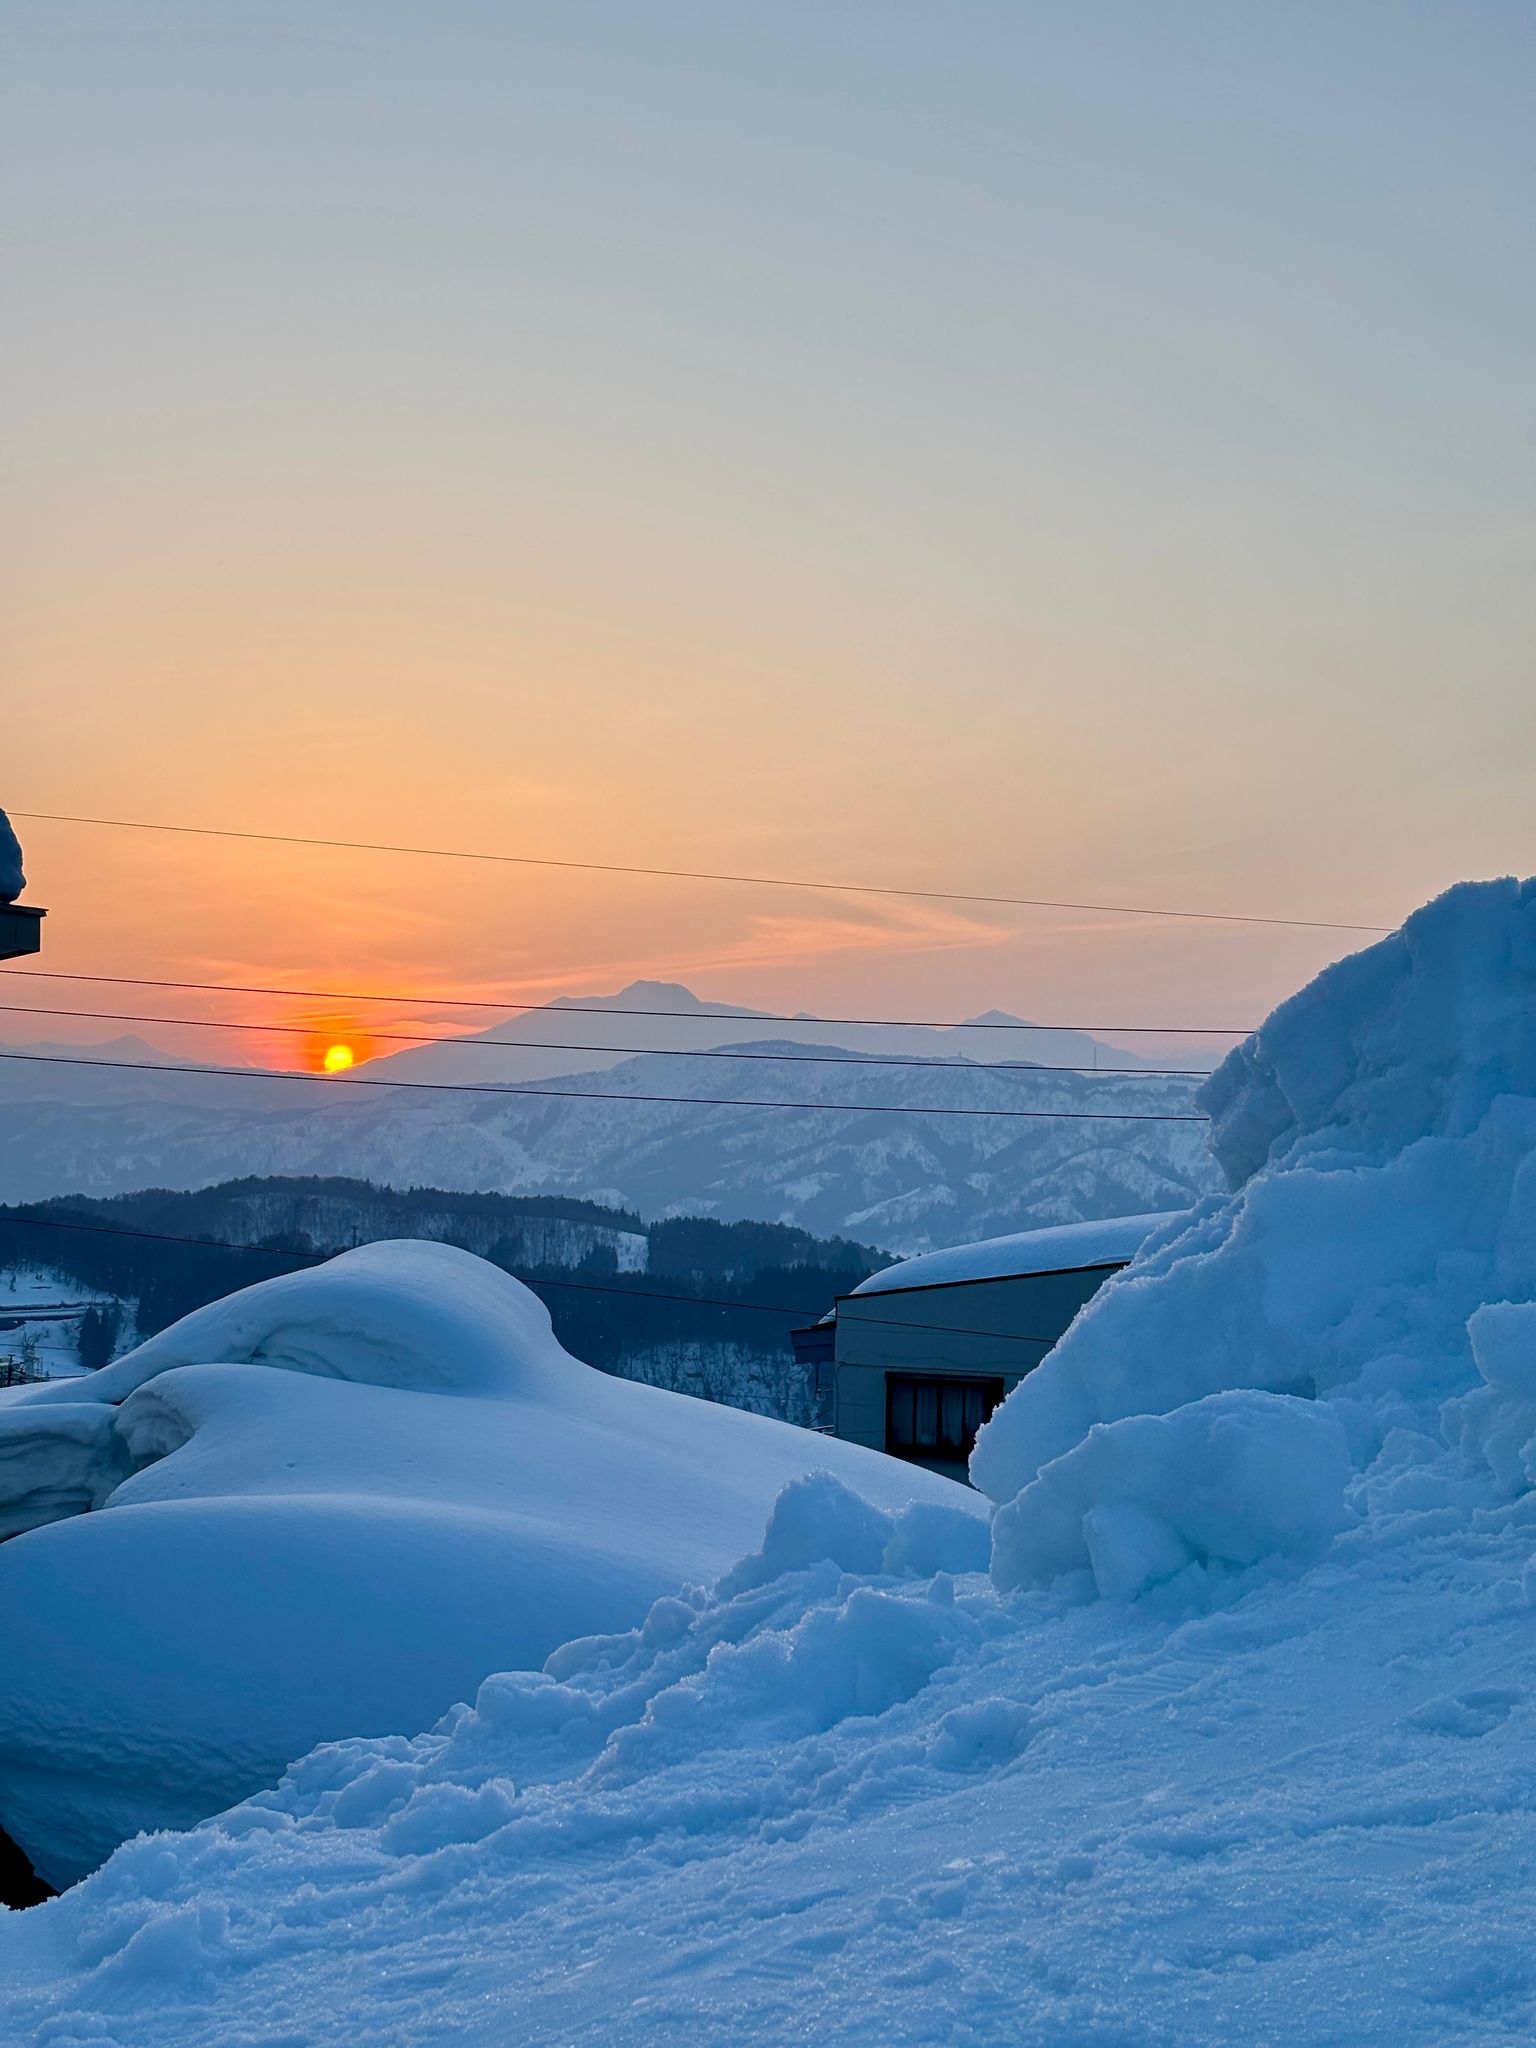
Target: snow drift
x=1234, y=1742
x=333, y=1503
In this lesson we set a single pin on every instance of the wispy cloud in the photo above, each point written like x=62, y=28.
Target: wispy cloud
x=769, y=939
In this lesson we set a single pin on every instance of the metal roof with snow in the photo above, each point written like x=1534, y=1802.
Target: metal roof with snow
x=1060, y=1248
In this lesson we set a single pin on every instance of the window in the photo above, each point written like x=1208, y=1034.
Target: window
x=936, y=1418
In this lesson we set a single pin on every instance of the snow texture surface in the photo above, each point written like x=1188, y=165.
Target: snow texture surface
x=333, y=1503
x=1233, y=1741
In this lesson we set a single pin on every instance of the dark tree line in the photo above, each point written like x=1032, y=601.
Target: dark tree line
x=99, y=1329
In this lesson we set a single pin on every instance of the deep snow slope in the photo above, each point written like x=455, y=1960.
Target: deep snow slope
x=330, y=1504
x=1235, y=1740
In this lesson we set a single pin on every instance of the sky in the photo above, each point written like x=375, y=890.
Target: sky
x=1072, y=451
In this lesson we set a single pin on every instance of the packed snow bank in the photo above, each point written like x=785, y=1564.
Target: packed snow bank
x=332, y=1504
x=1379, y=1134
x=12, y=880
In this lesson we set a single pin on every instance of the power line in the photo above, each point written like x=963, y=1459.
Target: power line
x=669, y=1052
x=338, y=1081
x=569, y=1286
x=599, y=867
x=425, y=999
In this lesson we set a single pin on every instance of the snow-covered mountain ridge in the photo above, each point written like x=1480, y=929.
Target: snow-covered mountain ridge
x=894, y=1178
x=581, y=1034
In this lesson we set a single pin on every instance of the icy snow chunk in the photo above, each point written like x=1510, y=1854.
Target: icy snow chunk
x=1131, y=1548
x=928, y=1539
x=862, y=1657
x=817, y=1518
x=438, y=1816
x=369, y=1800
x=981, y=1735
x=1503, y=1335
x=1227, y=1481
x=1497, y=1421
x=12, y=880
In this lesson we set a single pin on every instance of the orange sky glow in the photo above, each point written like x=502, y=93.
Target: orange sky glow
x=1041, y=478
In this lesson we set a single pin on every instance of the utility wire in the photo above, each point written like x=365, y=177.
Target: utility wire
x=772, y=1308
x=560, y=1008
x=954, y=1065
x=599, y=867
x=337, y=1081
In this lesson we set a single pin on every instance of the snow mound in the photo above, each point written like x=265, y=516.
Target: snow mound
x=12, y=880
x=330, y=1506
x=396, y=1313
x=1379, y=1135
x=818, y=1518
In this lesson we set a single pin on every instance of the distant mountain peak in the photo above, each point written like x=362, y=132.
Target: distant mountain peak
x=994, y=1017
x=673, y=993
x=654, y=995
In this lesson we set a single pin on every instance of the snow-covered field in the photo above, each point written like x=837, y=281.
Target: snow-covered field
x=45, y=1341
x=1232, y=1740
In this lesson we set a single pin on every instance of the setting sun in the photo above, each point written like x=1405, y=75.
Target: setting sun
x=338, y=1058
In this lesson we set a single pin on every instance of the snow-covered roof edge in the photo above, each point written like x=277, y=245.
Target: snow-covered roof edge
x=1061, y=1247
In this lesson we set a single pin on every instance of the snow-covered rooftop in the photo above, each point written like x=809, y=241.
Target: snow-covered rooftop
x=1107, y=1241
